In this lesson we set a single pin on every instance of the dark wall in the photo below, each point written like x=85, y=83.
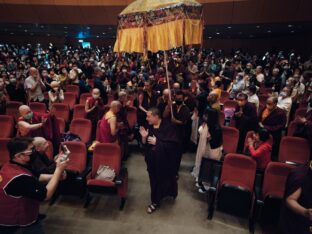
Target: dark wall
x=105, y=12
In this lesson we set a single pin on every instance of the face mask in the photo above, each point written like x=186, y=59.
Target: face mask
x=283, y=94
x=29, y=116
x=124, y=70
x=179, y=102
x=13, y=80
x=55, y=89
x=95, y=96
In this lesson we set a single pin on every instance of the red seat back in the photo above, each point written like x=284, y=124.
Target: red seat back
x=230, y=104
x=98, y=130
x=301, y=112
x=4, y=155
x=61, y=111
x=230, y=139
x=263, y=99
x=6, y=126
x=84, y=97
x=132, y=116
x=294, y=149
x=81, y=127
x=292, y=128
x=110, y=98
x=62, y=124
x=73, y=89
x=275, y=177
x=12, y=109
x=50, y=153
x=79, y=111
x=221, y=118
x=77, y=157
x=107, y=154
x=238, y=170
x=38, y=107
x=70, y=99
x=224, y=96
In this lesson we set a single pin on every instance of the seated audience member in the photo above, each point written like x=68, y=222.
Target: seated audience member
x=94, y=108
x=56, y=94
x=285, y=101
x=245, y=118
x=237, y=86
x=274, y=120
x=296, y=212
x=259, y=148
x=108, y=126
x=42, y=164
x=32, y=124
x=21, y=191
x=3, y=97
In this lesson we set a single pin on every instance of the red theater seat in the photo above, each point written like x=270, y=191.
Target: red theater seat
x=79, y=111
x=38, y=107
x=73, y=89
x=84, y=97
x=230, y=139
x=81, y=127
x=4, y=156
x=6, y=126
x=61, y=110
x=70, y=99
x=12, y=109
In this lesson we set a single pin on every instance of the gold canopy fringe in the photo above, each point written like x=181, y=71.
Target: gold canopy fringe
x=160, y=37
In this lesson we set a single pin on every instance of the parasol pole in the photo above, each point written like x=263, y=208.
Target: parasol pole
x=168, y=83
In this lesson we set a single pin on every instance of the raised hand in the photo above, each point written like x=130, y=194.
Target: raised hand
x=152, y=140
x=143, y=132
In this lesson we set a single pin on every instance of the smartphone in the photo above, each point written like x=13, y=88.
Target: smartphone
x=65, y=151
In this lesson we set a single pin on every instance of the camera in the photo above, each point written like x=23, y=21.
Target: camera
x=65, y=151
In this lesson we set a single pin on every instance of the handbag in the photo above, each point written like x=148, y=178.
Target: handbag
x=105, y=173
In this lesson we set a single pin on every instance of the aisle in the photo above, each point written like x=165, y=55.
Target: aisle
x=184, y=216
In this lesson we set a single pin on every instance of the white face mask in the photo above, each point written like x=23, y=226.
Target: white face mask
x=124, y=70
x=95, y=96
x=56, y=89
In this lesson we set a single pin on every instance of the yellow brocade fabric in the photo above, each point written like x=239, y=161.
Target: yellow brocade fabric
x=160, y=37
x=130, y=40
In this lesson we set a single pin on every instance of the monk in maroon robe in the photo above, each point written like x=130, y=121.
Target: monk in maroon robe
x=296, y=213
x=160, y=144
x=33, y=124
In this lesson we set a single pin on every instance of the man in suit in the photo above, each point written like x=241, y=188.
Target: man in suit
x=245, y=118
x=274, y=120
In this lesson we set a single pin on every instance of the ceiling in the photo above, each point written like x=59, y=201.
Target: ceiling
x=109, y=32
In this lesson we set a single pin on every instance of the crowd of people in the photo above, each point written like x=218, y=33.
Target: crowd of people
x=175, y=113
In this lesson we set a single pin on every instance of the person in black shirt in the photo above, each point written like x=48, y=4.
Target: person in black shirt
x=21, y=189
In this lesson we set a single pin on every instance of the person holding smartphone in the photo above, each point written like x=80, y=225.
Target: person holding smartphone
x=22, y=190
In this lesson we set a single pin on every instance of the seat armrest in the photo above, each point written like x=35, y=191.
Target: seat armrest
x=120, y=177
x=84, y=174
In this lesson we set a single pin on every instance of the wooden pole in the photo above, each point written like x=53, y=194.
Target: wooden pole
x=168, y=83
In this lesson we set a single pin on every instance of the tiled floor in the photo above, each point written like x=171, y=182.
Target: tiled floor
x=184, y=216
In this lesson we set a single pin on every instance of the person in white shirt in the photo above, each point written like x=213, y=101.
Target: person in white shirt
x=34, y=86
x=252, y=96
x=259, y=74
x=285, y=101
x=56, y=94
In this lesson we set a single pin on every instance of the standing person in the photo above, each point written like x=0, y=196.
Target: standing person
x=21, y=191
x=273, y=119
x=147, y=99
x=285, y=101
x=296, y=212
x=160, y=144
x=108, y=126
x=253, y=97
x=245, y=118
x=34, y=86
x=180, y=117
x=94, y=109
x=210, y=141
x=98, y=84
x=56, y=94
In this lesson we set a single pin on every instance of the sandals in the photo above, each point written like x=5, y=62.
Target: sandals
x=151, y=208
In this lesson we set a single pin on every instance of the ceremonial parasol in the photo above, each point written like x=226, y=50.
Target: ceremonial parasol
x=159, y=25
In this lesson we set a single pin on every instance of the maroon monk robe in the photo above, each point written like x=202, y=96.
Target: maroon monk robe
x=291, y=223
x=161, y=162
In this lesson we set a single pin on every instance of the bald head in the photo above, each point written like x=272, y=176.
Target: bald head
x=115, y=106
x=23, y=110
x=32, y=71
x=41, y=144
x=176, y=85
